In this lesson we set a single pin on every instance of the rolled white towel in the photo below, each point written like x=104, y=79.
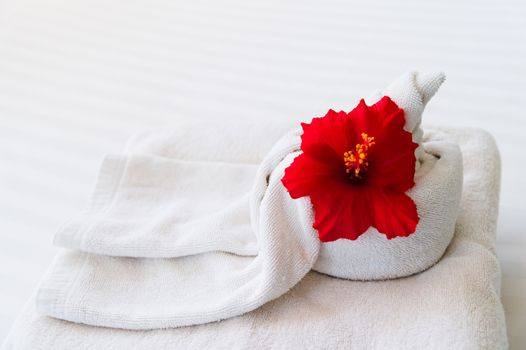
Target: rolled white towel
x=437, y=193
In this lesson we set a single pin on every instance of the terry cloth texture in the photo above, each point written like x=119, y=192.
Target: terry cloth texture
x=455, y=304
x=223, y=234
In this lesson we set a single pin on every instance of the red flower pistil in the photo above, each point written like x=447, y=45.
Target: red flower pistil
x=356, y=160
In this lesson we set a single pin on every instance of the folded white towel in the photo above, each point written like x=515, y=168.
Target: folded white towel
x=240, y=240
x=149, y=206
x=453, y=305
x=198, y=211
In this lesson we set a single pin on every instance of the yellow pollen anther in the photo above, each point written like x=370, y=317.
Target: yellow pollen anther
x=356, y=160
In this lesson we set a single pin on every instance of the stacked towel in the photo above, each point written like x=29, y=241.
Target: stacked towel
x=455, y=304
x=224, y=235
x=198, y=213
x=192, y=226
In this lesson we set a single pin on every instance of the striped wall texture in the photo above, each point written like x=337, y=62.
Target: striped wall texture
x=78, y=77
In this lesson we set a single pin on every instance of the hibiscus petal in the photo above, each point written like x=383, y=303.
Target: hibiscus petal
x=341, y=211
x=363, y=118
x=387, y=112
x=395, y=213
x=392, y=164
x=307, y=174
x=328, y=138
x=392, y=159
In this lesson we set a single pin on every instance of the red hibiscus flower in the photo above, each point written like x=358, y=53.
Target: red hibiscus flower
x=356, y=168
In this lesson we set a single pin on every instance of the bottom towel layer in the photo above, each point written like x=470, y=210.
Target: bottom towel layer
x=454, y=305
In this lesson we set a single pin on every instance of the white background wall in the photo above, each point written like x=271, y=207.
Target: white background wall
x=78, y=77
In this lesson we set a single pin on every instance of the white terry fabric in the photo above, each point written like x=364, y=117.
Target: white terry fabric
x=453, y=305
x=239, y=239
x=210, y=279
x=204, y=208
x=148, y=206
x=176, y=192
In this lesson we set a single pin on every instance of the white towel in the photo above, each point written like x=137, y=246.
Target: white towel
x=197, y=211
x=453, y=305
x=239, y=239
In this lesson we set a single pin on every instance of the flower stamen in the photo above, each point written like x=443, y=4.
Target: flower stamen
x=356, y=160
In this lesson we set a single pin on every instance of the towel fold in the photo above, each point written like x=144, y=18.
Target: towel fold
x=176, y=192
x=150, y=206
x=199, y=213
x=453, y=305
